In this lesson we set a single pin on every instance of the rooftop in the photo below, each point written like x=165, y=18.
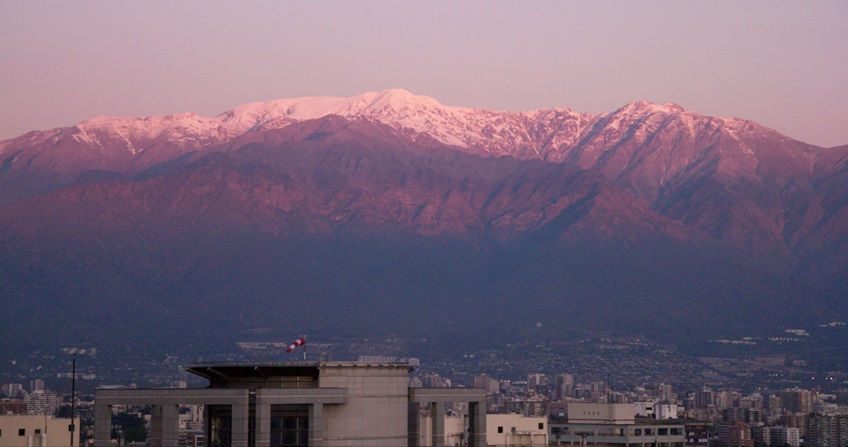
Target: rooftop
x=263, y=370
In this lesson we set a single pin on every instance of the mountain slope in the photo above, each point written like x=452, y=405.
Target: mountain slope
x=347, y=225
x=395, y=207
x=661, y=153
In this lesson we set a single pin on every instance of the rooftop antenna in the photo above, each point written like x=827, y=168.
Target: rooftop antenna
x=73, y=398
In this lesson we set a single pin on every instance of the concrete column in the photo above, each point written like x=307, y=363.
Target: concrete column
x=154, y=438
x=102, y=425
x=164, y=425
x=437, y=421
x=476, y=424
x=316, y=425
x=206, y=425
x=263, y=422
x=240, y=423
x=413, y=424
x=170, y=425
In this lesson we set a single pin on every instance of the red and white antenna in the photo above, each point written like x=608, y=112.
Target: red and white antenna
x=299, y=342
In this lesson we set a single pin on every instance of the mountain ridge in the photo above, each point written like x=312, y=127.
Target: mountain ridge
x=654, y=151
x=396, y=107
x=627, y=216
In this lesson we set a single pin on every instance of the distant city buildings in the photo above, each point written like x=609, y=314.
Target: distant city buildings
x=657, y=414
x=38, y=400
x=42, y=402
x=13, y=390
x=824, y=430
x=797, y=400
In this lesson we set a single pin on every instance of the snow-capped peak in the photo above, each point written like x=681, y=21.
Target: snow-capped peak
x=544, y=133
x=647, y=107
x=395, y=107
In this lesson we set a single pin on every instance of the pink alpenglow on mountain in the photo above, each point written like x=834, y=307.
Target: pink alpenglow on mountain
x=650, y=218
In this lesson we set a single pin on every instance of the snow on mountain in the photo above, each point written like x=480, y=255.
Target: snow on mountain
x=641, y=146
x=549, y=134
x=491, y=131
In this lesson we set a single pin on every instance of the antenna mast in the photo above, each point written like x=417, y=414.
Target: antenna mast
x=73, y=398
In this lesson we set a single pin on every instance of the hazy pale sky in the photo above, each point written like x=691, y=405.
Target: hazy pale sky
x=781, y=63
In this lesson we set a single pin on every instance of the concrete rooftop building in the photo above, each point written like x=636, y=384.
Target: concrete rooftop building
x=298, y=404
x=37, y=431
x=614, y=425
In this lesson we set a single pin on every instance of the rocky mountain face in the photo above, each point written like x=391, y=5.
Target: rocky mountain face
x=391, y=212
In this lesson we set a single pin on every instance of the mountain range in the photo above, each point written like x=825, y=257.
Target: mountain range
x=388, y=213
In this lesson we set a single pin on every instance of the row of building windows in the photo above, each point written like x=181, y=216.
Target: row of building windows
x=660, y=432
x=22, y=432
x=664, y=431
x=541, y=427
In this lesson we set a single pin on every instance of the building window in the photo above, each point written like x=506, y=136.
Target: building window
x=38, y=431
x=21, y=432
x=220, y=425
x=500, y=429
x=541, y=425
x=662, y=431
x=637, y=432
x=289, y=426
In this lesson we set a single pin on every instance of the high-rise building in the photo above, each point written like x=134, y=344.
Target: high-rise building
x=698, y=433
x=36, y=385
x=727, y=399
x=491, y=385
x=772, y=402
x=734, y=434
x=826, y=431
x=666, y=393
x=537, y=382
x=13, y=390
x=760, y=434
x=481, y=381
x=42, y=402
x=563, y=386
x=747, y=415
x=599, y=387
x=703, y=399
x=780, y=436
x=793, y=437
x=797, y=400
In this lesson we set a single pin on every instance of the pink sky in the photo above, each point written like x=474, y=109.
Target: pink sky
x=780, y=63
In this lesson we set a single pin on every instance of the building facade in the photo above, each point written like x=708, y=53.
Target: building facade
x=502, y=430
x=614, y=425
x=827, y=431
x=297, y=404
x=36, y=431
